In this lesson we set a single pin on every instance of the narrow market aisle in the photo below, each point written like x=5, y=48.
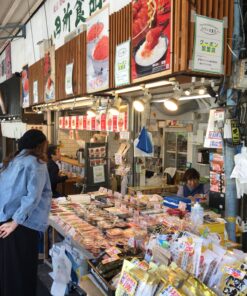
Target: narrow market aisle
x=45, y=281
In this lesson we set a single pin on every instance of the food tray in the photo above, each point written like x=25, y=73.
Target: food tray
x=105, y=286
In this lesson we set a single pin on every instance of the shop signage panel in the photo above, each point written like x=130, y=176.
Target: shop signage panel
x=74, y=122
x=67, y=122
x=102, y=122
x=84, y=122
x=69, y=79
x=122, y=64
x=93, y=120
x=98, y=51
x=35, y=92
x=151, y=38
x=61, y=122
x=67, y=16
x=80, y=124
x=208, y=45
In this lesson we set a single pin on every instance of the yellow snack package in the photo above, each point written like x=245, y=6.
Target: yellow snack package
x=136, y=281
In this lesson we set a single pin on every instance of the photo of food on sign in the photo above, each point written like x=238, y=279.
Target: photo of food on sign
x=98, y=51
x=151, y=33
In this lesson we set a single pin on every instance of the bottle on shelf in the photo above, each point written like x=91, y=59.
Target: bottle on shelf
x=197, y=214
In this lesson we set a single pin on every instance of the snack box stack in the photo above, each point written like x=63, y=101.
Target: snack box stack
x=174, y=201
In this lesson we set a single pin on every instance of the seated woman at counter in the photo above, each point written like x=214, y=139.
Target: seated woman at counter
x=192, y=187
x=53, y=169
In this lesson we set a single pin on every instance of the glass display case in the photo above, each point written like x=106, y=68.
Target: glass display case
x=176, y=146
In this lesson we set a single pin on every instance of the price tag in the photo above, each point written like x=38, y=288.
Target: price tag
x=131, y=211
x=110, y=259
x=72, y=232
x=124, y=135
x=132, y=199
x=157, y=206
x=126, y=198
x=113, y=251
x=118, y=159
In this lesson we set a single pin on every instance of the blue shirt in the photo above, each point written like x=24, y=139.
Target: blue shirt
x=25, y=192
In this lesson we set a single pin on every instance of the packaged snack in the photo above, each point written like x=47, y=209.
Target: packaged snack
x=135, y=281
x=234, y=280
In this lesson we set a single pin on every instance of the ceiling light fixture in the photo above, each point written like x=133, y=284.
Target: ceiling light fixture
x=91, y=113
x=114, y=108
x=202, y=90
x=171, y=104
x=158, y=84
x=188, y=92
x=206, y=96
x=138, y=105
x=128, y=89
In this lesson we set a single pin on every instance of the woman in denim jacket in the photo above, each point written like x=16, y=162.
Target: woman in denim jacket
x=25, y=198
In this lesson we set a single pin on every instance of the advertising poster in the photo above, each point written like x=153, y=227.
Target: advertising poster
x=35, y=92
x=99, y=174
x=151, y=37
x=98, y=51
x=122, y=64
x=49, y=75
x=213, y=137
x=208, y=45
x=5, y=64
x=25, y=87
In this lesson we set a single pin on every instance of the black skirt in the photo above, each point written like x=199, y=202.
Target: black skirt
x=19, y=262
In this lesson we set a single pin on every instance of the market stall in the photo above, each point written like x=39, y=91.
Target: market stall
x=141, y=239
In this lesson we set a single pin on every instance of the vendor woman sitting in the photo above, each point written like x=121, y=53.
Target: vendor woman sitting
x=192, y=187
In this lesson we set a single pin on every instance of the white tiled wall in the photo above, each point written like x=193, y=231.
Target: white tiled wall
x=69, y=147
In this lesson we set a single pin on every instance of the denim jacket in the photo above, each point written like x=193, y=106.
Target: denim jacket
x=25, y=192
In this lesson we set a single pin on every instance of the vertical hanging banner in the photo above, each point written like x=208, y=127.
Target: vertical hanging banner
x=5, y=64
x=208, y=45
x=69, y=79
x=151, y=38
x=35, y=92
x=98, y=51
x=122, y=64
x=25, y=87
x=49, y=75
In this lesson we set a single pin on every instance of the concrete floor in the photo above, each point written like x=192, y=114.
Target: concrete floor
x=45, y=282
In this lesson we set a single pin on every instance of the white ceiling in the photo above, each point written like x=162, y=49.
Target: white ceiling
x=15, y=12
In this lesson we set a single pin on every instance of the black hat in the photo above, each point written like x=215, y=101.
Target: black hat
x=31, y=139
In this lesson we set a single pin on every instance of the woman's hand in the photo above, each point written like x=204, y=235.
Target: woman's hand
x=7, y=228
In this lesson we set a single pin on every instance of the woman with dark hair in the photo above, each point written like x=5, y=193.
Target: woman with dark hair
x=192, y=186
x=25, y=198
